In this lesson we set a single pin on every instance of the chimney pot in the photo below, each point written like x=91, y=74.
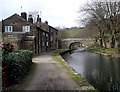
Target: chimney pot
x=24, y=15
x=30, y=19
x=46, y=22
x=38, y=19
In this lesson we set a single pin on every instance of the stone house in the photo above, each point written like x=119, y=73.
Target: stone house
x=38, y=36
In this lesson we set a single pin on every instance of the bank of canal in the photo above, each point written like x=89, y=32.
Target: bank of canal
x=57, y=56
x=99, y=70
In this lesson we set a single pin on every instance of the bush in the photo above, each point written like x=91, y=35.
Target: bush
x=7, y=47
x=19, y=64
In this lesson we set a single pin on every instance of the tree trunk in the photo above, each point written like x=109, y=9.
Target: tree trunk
x=101, y=42
x=113, y=42
x=105, y=45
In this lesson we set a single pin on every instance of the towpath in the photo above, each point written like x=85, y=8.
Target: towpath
x=48, y=74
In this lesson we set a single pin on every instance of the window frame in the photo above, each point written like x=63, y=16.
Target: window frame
x=43, y=33
x=26, y=28
x=8, y=28
x=51, y=38
x=46, y=34
x=47, y=44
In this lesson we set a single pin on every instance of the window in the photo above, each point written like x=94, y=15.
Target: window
x=26, y=28
x=8, y=28
x=43, y=33
x=47, y=35
x=46, y=43
x=51, y=38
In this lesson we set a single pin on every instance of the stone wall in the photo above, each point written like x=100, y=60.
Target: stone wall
x=14, y=38
x=53, y=38
x=16, y=22
x=29, y=45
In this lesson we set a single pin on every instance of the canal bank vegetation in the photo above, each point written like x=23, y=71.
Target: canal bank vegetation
x=112, y=52
x=75, y=76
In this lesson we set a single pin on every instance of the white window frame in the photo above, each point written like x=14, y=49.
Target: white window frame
x=47, y=44
x=51, y=38
x=47, y=35
x=43, y=33
x=26, y=28
x=8, y=28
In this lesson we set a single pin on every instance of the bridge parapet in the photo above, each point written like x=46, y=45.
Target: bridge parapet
x=84, y=41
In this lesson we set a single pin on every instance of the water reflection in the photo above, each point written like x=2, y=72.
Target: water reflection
x=101, y=71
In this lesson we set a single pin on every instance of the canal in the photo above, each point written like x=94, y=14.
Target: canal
x=101, y=71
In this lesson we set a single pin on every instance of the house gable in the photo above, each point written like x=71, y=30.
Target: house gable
x=16, y=21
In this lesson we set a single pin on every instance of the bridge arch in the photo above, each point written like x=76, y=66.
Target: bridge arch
x=65, y=43
x=75, y=45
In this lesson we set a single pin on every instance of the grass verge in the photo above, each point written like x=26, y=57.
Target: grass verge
x=104, y=51
x=75, y=76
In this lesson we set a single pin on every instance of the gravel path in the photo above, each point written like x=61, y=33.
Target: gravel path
x=49, y=75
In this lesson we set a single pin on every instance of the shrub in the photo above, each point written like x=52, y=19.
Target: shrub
x=6, y=47
x=19, y=64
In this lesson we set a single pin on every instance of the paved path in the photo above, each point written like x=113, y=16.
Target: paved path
x=49, y=75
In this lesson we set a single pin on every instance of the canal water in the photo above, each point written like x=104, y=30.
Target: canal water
x=101, y=71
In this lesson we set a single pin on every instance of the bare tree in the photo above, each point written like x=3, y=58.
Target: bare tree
x=105, y=16
x=113, y=11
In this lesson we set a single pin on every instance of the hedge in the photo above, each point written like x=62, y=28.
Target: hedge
x=19, y=64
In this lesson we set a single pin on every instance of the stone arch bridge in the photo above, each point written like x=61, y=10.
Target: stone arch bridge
x=74, y=43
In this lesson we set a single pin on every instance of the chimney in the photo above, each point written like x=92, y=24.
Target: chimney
x=30, y=19
x=38, y=19
x=46, y=22
x=24, y=15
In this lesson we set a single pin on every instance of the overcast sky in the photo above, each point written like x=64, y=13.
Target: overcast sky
x=56, y=12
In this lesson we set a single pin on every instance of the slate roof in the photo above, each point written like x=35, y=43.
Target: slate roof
x=15, y=18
